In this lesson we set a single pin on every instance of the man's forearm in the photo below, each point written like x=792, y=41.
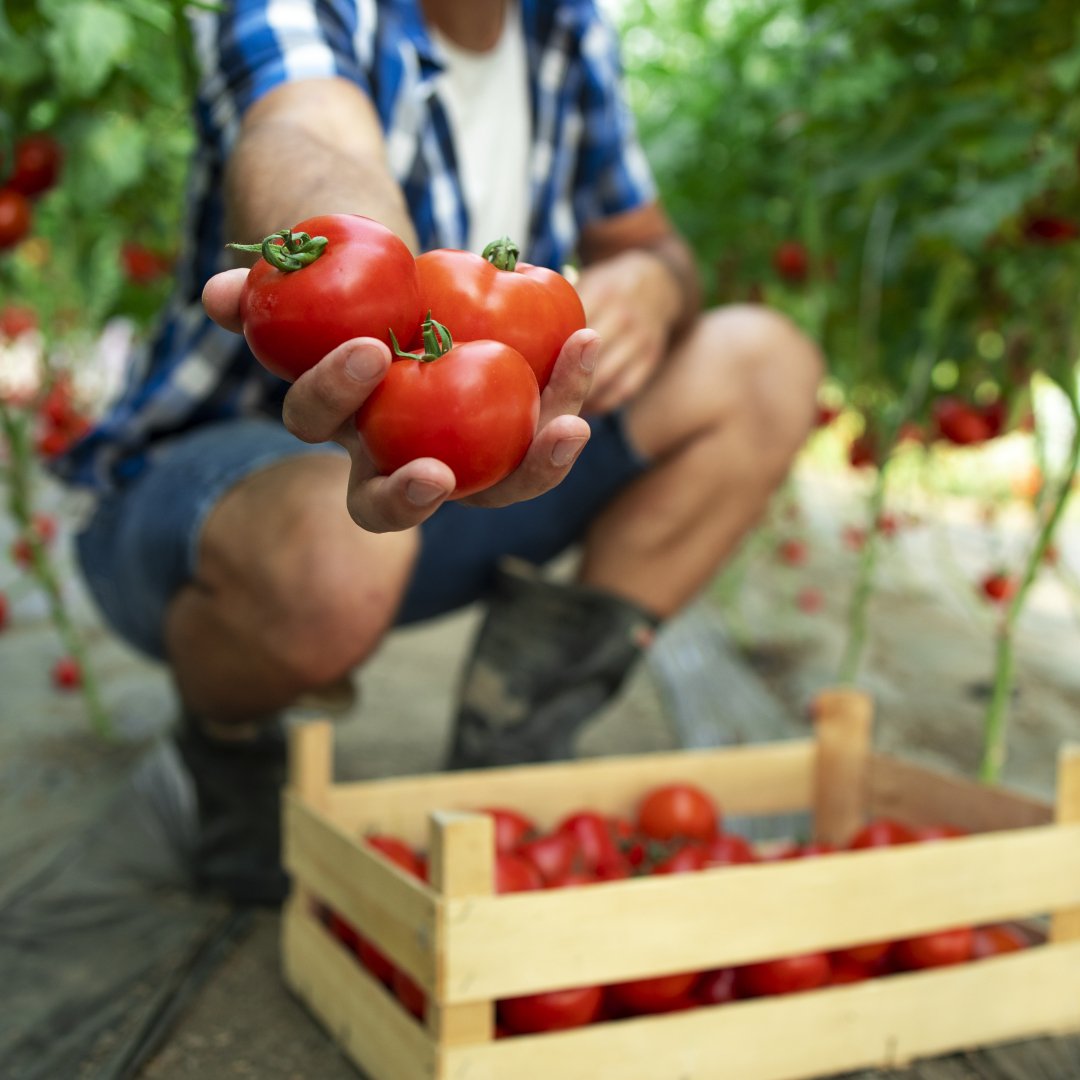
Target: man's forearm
x=311, y=149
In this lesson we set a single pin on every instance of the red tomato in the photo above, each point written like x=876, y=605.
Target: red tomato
x=37, y=164
x=397, y=851
x=938, y=949
x=676, y=811
x=867, y=956
x=793, y=552
x=362, y=284
x=881, y=832
x=15, y=320
x=810, y=600
x=809, y=851
x=662, y=993
x=960, y=423
x=67, y=674
x=530, y=308
x=511, y=828
x=717, y=987
x=863, y=452
x=3, y=610
x=141, y=265
x=791, y=261
x=593, y=836
x=999, y=587
x=343, y=931
x=996, y=939
x=514, y=873
x=473, y=406
x=376, y=963
x=844, y=971
x=552, y=854
x=685, y=860
x=15, y=217
x=554, y=1010
x=942, y=831
x=787, y=975
x=571, y=879
x=727, y=849
x=409, y=994
x=1050, y=230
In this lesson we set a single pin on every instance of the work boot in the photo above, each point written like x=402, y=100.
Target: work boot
x=238, y=787
x=547, y=657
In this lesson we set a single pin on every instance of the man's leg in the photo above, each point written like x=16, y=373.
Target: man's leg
x=289, y=595
x=720, y=425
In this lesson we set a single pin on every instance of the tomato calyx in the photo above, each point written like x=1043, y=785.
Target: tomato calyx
x=293, y=253
x=503, y=253
x=437, y=342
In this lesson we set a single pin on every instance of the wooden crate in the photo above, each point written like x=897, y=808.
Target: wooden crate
x=467, y=947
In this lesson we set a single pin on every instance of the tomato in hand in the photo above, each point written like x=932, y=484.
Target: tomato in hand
x=554, y=1010
x=15, y=217
x=678, y=811
x=474, y=407
x=492, y=295
x=329, y=279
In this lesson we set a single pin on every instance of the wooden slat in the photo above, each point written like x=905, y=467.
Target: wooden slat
x=773, y=779
x=1065, y=925
x=842, y=723
x=880, y=1023
x=311, y=761
x=462, y=864
x=381, y=901
x=650, y=926
x=359, y=1013
x=922, y=796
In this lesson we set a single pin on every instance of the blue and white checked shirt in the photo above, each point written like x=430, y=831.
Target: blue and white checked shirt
x=585, y=165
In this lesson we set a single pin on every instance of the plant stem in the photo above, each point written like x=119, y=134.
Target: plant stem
x=20, y=503
x=996, y=720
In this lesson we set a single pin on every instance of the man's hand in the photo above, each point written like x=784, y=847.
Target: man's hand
x=321, y=404
x=632, y=301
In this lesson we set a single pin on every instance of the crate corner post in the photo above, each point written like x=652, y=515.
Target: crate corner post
x=1065, y=925
x=843, y=722
x=462, y=865
x=311, y=761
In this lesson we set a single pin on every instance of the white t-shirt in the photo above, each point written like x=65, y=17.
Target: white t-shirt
x=486, y=95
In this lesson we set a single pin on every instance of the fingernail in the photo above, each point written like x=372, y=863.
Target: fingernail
x=422, y=493
x=566, y=450
x=589, y=355
x=364, y=362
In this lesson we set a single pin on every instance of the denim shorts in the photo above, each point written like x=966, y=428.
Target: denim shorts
x=141, y=544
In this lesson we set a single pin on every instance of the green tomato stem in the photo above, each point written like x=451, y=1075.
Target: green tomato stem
x=437, y=342
x=293, y=253
x=503, y=253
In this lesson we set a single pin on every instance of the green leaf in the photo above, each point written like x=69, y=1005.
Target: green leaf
x=111, y=158
x=87, y=42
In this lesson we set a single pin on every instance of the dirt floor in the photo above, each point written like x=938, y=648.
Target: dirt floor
x=927, y=662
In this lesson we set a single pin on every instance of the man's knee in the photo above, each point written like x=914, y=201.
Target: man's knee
x=775, y=370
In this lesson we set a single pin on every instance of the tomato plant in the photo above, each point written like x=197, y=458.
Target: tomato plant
x=473, y=406
x=323, y=282
x=680, y=810
x=494, y=295
x=37, y=164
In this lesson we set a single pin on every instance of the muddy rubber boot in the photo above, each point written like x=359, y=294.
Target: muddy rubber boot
x=547, y=657
x=238, y=788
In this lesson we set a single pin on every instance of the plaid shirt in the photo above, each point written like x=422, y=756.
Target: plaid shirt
x=585, y=165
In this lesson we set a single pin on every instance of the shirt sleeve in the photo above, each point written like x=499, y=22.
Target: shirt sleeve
x=249, y=47
x=613, y=174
